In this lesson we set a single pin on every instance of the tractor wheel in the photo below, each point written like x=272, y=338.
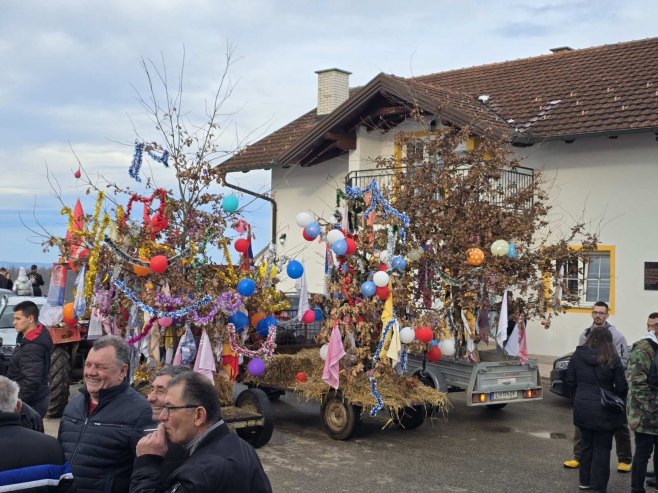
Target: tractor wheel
x=256, y=401
x=410, y=418
x=339, y=417
x=60, y=371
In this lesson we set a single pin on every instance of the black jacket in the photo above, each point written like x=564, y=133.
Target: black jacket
x=222, y=462
x=30, y=366
x=101, y=447
x=582, y=374
x=37, y=281
x=22, y=450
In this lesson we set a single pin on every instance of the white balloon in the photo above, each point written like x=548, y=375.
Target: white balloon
x=380, y=279
x=407, y=335
x=334, y=235
x=415, y=254
x=323, y=351
x=303, y=219
x=383, y=256
x=499, y=248
x=447, y=347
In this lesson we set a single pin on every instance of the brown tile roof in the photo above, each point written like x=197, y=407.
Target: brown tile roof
x=605, y=89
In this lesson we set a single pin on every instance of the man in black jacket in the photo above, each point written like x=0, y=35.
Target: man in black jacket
x=101, y=426
x=218, y=460
x=30, y=362
x=36, y=280
x=31, y=461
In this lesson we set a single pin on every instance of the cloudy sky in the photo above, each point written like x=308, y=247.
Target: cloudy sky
x=70, y=74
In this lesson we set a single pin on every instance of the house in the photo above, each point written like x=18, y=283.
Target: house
x=587, y=118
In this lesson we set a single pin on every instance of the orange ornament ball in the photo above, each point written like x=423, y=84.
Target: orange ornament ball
x=301, y=377
x=141, y=271
x=68, y=312
x=474, y=256
x=257, y=317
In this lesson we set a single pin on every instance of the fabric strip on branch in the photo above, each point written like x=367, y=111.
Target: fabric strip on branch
x=266, y=350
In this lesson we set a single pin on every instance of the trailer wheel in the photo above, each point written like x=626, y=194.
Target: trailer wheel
x=256, y=401
x=496, y=407
x=411, y=418
x=60, y=371
x=339, y=418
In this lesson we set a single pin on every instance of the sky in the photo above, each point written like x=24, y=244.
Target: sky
x=71, y=77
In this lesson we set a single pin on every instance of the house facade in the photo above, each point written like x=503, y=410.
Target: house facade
x=587, y=119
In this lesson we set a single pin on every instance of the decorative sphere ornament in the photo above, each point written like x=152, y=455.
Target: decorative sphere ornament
x=159, y=264
x=368, y=289
x=256, y=367
x=68, y=311
x=339, y=247
x=447, y=347
x=140, y=270
x=77, y=173
x=398, y=263
x=308, y=317
x=334, y=235
x=165, y=322
x=295, y=269
x=323, y=351
x=257, y=317
x=306, y=236
x=407, y=335
x=511, y=253
x=241, y=245
x=230, y=203
x=351, y=246
x=318, y=314
x=380, y=279
x=246, y=287
x=415, y=254
x=303, y=219
x=434, y=354
x=383, y=292
x=474, y=256
x=312, y=230
x=424, y=334
x=499, y=248
x=383, y=256
x=301, y=377
x=240, y=320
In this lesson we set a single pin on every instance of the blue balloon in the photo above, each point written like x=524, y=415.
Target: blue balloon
x=312, y=230
x=434, y=342
x=398, y=263
x=295, y=269
x=339, y=247
x=511, y=251
x=368, y=289
x=263, y=326
x=230, y=203
x=240, y=320
x=318, y=314
x=246, y=287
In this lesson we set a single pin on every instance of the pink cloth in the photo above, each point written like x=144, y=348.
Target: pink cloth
x=523, y=345
x=177, y=357
x=332, y=362
x=205, y=361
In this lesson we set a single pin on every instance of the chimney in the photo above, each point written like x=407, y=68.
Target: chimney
x=333, y=89
x=561, y=49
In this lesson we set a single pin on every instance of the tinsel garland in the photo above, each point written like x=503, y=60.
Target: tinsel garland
x=228, y=302
x=97, y=231
x=136, y=164
x=158, y=313
x=266, y=350
x=158, y=193
x=376, y=198
x=373, y=383
x=132, y=260
x=66, y=211
x=145, y=331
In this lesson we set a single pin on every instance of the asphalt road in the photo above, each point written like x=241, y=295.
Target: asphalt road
x=517, y=449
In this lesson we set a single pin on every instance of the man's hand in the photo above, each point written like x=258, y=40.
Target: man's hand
x=154, y=443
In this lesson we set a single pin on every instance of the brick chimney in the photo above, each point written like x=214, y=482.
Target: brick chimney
x=333, y=89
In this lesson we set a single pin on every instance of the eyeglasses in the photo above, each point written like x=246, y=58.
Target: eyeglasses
x=598, y=313
x=167, y=409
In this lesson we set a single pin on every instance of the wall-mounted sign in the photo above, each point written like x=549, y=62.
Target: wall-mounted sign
x=651, y=276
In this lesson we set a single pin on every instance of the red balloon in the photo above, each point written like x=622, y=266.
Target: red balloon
x=351, y=246
x=383, y=267
x=241, y=245
x=159, y=264
x=301, y=377
x=424, y=334
x=383, y=292
x=308, y=317
x=434, y=354
x=77, y=173
x=306, y=237
x=83, y=253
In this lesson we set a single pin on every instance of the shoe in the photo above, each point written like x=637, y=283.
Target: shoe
x=583, y=487
x=571, y=464
x=624, y=467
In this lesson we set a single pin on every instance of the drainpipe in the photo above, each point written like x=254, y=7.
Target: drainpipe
x=257, y=195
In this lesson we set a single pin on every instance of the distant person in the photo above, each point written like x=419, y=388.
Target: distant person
x=36, y=280
x=10, y=283
x=219, y=460
x=22, y=286
x=102, y=425
x=30, y=461
x=3, y=278
x=29, y=365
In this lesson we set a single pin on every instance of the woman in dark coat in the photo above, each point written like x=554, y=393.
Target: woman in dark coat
x=593, y=366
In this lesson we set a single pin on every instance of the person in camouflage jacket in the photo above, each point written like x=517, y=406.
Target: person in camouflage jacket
x=642, y=405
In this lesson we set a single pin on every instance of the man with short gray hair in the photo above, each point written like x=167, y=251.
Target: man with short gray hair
x=36, y=462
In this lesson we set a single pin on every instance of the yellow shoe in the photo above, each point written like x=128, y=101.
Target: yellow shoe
x=572, y=464
x=624, y=467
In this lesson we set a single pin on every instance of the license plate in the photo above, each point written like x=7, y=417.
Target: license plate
x=499, y=396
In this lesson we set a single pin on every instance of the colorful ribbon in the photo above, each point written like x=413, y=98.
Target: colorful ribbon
x=158, y=313
x=266, y=350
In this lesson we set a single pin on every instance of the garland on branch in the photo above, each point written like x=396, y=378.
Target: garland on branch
x=159, y=313
x=228, y=302
x=136, y=163
x=145, y=331
x=266, y=350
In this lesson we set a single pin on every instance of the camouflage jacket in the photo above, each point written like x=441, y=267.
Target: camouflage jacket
x=642, y=405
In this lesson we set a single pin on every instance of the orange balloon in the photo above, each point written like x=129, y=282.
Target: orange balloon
x=257, y=318
x=141, y=271
x=68, y=312
x=474, y=257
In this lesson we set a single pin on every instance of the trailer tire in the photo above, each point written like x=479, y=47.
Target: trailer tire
x=60, y=372
x=496, y=407
x=411, y=417
x=339, y=417
x=256, y=401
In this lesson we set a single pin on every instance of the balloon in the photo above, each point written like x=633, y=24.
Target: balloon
x=424, y=334
x=68, y=311
x=351, y=246
x=303, y=219
x=256, y=367
x=447, y=347
x=159, y=264
x=246, y=287
x=474, y=256
x=368, y=289
x=308, y=317
x=323, y=351
x=334, y=235
x=240, y=320
x=70, y=321
x=340, y=247
x=383, y=292
x=241, y=245
x=230, y=203
x=415, y=254
x=407, y=335
x=511, y=253
x=318, y=314
x=380, y=278
x=165, y=322
x=263, y=327
x=306, y=236
x=383, y=256
x=434, y=342
x=312, y=230
x=77, y=173
x=301, y=377
x=295, y=269
x=397, y=261
x=141, y=271
x=434, y=354
x=257, y=317
x=383, y=267
x=499, y=248
x=83, y=253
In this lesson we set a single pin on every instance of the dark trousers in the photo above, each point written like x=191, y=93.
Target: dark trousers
x=41, y=405
x=595, y=449
x=645, y=444
x=622, y=443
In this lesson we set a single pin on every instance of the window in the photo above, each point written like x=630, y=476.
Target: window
x=585, y=283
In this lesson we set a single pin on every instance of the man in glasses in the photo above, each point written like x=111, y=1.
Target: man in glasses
x=623, y=434
x=218, y=460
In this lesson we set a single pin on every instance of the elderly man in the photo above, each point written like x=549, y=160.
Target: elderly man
x=218, y=460
x=31, y=461
x=101, y=427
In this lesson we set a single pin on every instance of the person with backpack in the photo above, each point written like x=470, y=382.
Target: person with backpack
x=642, y=405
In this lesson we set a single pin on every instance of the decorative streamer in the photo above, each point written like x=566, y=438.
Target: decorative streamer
x=158, y=193
x=158, y=313
x=228, y=302
x=380, y=403
x=138, y=338
x=136, y=163
x=266, y=350
x=97, y=233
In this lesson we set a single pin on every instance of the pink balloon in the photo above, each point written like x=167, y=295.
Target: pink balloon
x=308, y=317
x=165, y=322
